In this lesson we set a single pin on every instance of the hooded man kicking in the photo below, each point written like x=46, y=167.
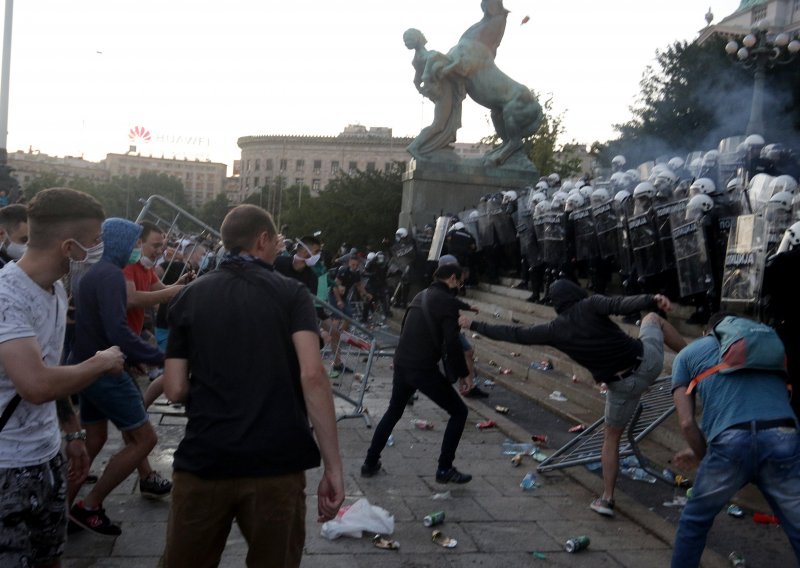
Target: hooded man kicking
x=584, y=331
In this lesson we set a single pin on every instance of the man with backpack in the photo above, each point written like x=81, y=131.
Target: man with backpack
x=748, y=432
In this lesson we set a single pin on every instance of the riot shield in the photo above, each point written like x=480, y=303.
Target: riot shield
x=439, y=235
x=743, y=274
x=777, y=221
x=691, y=255
x=644, y=242
x=502, y=223
x=584, y=231
x=530, y=244
x=664, y=215
x=403, y=254
x=606, y=224
x=539, y=232
x=760, y=191
x=470, y=220
x=555, y=243
x=485, y=229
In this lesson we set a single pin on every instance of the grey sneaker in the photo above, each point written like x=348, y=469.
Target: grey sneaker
x=154, y=486
x=603, y=507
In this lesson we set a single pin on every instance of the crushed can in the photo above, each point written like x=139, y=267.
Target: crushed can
x=506, y=371
x=486, y=424
x=501, y=409
x=516, y=460
x=423, y=424
x=736, y=559
x=515, y=354
x=540, y=439
x=436, y=518
x=577, y=544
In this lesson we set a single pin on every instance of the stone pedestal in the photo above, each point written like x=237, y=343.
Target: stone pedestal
x=432, y=188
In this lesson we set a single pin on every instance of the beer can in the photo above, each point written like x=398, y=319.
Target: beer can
x=736, y=560
x=516, y=460
x=433, y=519
x=501, y=409
x=423, y=424
x=577, y=544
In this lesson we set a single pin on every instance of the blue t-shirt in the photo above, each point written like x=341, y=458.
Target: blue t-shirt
x=733, y=398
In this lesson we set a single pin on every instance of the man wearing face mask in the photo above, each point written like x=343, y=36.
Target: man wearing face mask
x=13, y=233
x=101, y=321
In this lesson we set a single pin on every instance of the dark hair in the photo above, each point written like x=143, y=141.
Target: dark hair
x=446, y=271
x=242, y=226
x=13, y=215
x=147, y=228
x=55, y=213
x=310, y=240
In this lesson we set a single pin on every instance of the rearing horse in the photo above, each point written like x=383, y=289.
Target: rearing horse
x=516, y=114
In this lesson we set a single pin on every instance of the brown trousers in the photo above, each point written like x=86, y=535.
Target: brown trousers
x=270, y=512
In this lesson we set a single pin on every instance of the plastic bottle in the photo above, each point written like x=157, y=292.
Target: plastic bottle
x=390, y=441
x=638, y=474
x=528, y=482
x=511, y=448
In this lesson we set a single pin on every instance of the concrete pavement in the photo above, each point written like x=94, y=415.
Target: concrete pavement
x=495, y=522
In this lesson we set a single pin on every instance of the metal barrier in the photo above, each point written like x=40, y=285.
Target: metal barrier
x=655, y=406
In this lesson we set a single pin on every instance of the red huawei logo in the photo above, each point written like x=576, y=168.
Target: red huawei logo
x=139, y=132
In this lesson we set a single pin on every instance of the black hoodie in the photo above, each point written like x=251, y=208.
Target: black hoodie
x=582, y=329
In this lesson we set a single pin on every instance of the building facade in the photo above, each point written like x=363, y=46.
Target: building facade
x=779, y=15
x=315, y=160
x=27, y=166
x=202, y=180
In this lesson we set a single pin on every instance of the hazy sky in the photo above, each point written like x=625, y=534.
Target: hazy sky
x=84, y=72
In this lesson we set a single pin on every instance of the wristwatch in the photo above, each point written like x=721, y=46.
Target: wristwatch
x=79, y=435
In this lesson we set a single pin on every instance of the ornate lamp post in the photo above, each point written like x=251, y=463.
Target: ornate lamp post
x=760, y=51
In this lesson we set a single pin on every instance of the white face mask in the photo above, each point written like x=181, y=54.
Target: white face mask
x=312, y=260
x=16, y=250
x=146, y=262
x=93, y=254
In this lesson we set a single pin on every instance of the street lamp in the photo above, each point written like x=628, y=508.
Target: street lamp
x=761, y=51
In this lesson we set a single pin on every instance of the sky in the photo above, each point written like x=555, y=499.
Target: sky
x=199, y=74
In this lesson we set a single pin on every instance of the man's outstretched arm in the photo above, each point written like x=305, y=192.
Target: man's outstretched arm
x=523, y=335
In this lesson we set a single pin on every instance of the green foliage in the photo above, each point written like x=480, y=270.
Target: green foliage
x=213, y=212
x=360, y=208
x=545, y=149
x=122, y=196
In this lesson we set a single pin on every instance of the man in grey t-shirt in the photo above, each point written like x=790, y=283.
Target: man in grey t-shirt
x=64, y=229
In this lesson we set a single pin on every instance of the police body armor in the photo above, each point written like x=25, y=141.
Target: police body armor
x=470, y=220
x=485, y=228
x=555, y=244
x=606, y=225
x=691, y=255
x=538, y=222
x=777, y=221
x=403, y=254
x=743, y=274
x=461, y=245
x=644, y=243
x=585, y=238
x=502, y=222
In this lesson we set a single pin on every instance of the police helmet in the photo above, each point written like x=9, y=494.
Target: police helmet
x=618, y=161
x=754, y=141
x=644, y=189
x=782, y=201
x=703, y=186
x=772, y=152
x=599, y=195
x=371, y=256
x=553, y=179
x=783, y=183
x=559, y=199
x=621, y=196
x=586, y=191
x=401, y=233
x=711, y=158
x=734, y=184
x=510, y=195
x=574, y=201
x=541, y=185
x=538, y=197
x=793, y=233
x=567, y=186
x=457, y=226
x=542, y=207
x=699, y=204
x=675, y=163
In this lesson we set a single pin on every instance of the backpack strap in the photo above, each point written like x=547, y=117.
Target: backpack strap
x=12, y=405
x=704, y=375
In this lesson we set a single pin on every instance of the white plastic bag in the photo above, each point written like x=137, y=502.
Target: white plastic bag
x=361, y=516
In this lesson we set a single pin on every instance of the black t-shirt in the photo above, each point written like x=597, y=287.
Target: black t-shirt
x=284, y=265
x=247, y=416
x=348, y=278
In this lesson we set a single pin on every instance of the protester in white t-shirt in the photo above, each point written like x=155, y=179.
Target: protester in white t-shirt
x=64, y=227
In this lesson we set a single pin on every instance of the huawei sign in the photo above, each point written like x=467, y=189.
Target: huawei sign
x=138, y=133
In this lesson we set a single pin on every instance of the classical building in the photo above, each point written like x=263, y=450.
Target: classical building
x=27, y=166
x=779, y=15
x=202, y=180
x=314, y=160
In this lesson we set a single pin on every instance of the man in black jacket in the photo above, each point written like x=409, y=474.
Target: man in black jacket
x=423, y=340
x=584, y=331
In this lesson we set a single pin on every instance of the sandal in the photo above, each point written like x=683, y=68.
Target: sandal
x=443, y=541
x=384, y=543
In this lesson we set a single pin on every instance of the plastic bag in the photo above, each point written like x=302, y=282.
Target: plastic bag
x=361, y=516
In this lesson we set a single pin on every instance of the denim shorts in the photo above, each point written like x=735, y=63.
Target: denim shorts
x=115, y=398
x=623, y=395
x=33, y=513
x=465, y=345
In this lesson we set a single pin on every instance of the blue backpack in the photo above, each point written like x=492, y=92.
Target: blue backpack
x=745, y=344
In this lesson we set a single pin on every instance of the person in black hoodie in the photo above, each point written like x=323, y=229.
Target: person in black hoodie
x=424, y=338
x=584, y=331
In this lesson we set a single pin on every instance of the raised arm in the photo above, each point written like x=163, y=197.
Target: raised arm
x=523, y=335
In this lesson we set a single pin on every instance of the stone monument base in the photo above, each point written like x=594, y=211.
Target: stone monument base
x=433, y=188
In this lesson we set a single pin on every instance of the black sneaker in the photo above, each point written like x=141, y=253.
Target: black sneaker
x=452, y=475
x=154, y=486
x=476, y=392
x=95, y=521
x=370, y=470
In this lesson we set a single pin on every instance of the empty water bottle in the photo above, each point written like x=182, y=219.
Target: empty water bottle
x=511, y=448
x=630, y=461
x=528, y=482
x=638, y=474
x=390, y=441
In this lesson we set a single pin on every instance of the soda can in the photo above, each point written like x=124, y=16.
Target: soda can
x=486, y=424
x=501, y=409
x=736, y=559
x=436, y=518
x=540, y=439
x=516, y=460
x=506, y=372
x=423, y=424
x=577, y=544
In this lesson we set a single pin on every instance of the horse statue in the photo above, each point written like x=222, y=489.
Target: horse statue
x=515, y=112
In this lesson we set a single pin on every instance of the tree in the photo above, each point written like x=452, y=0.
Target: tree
x=359, y=208
x=213, y=212
x=694, y=96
